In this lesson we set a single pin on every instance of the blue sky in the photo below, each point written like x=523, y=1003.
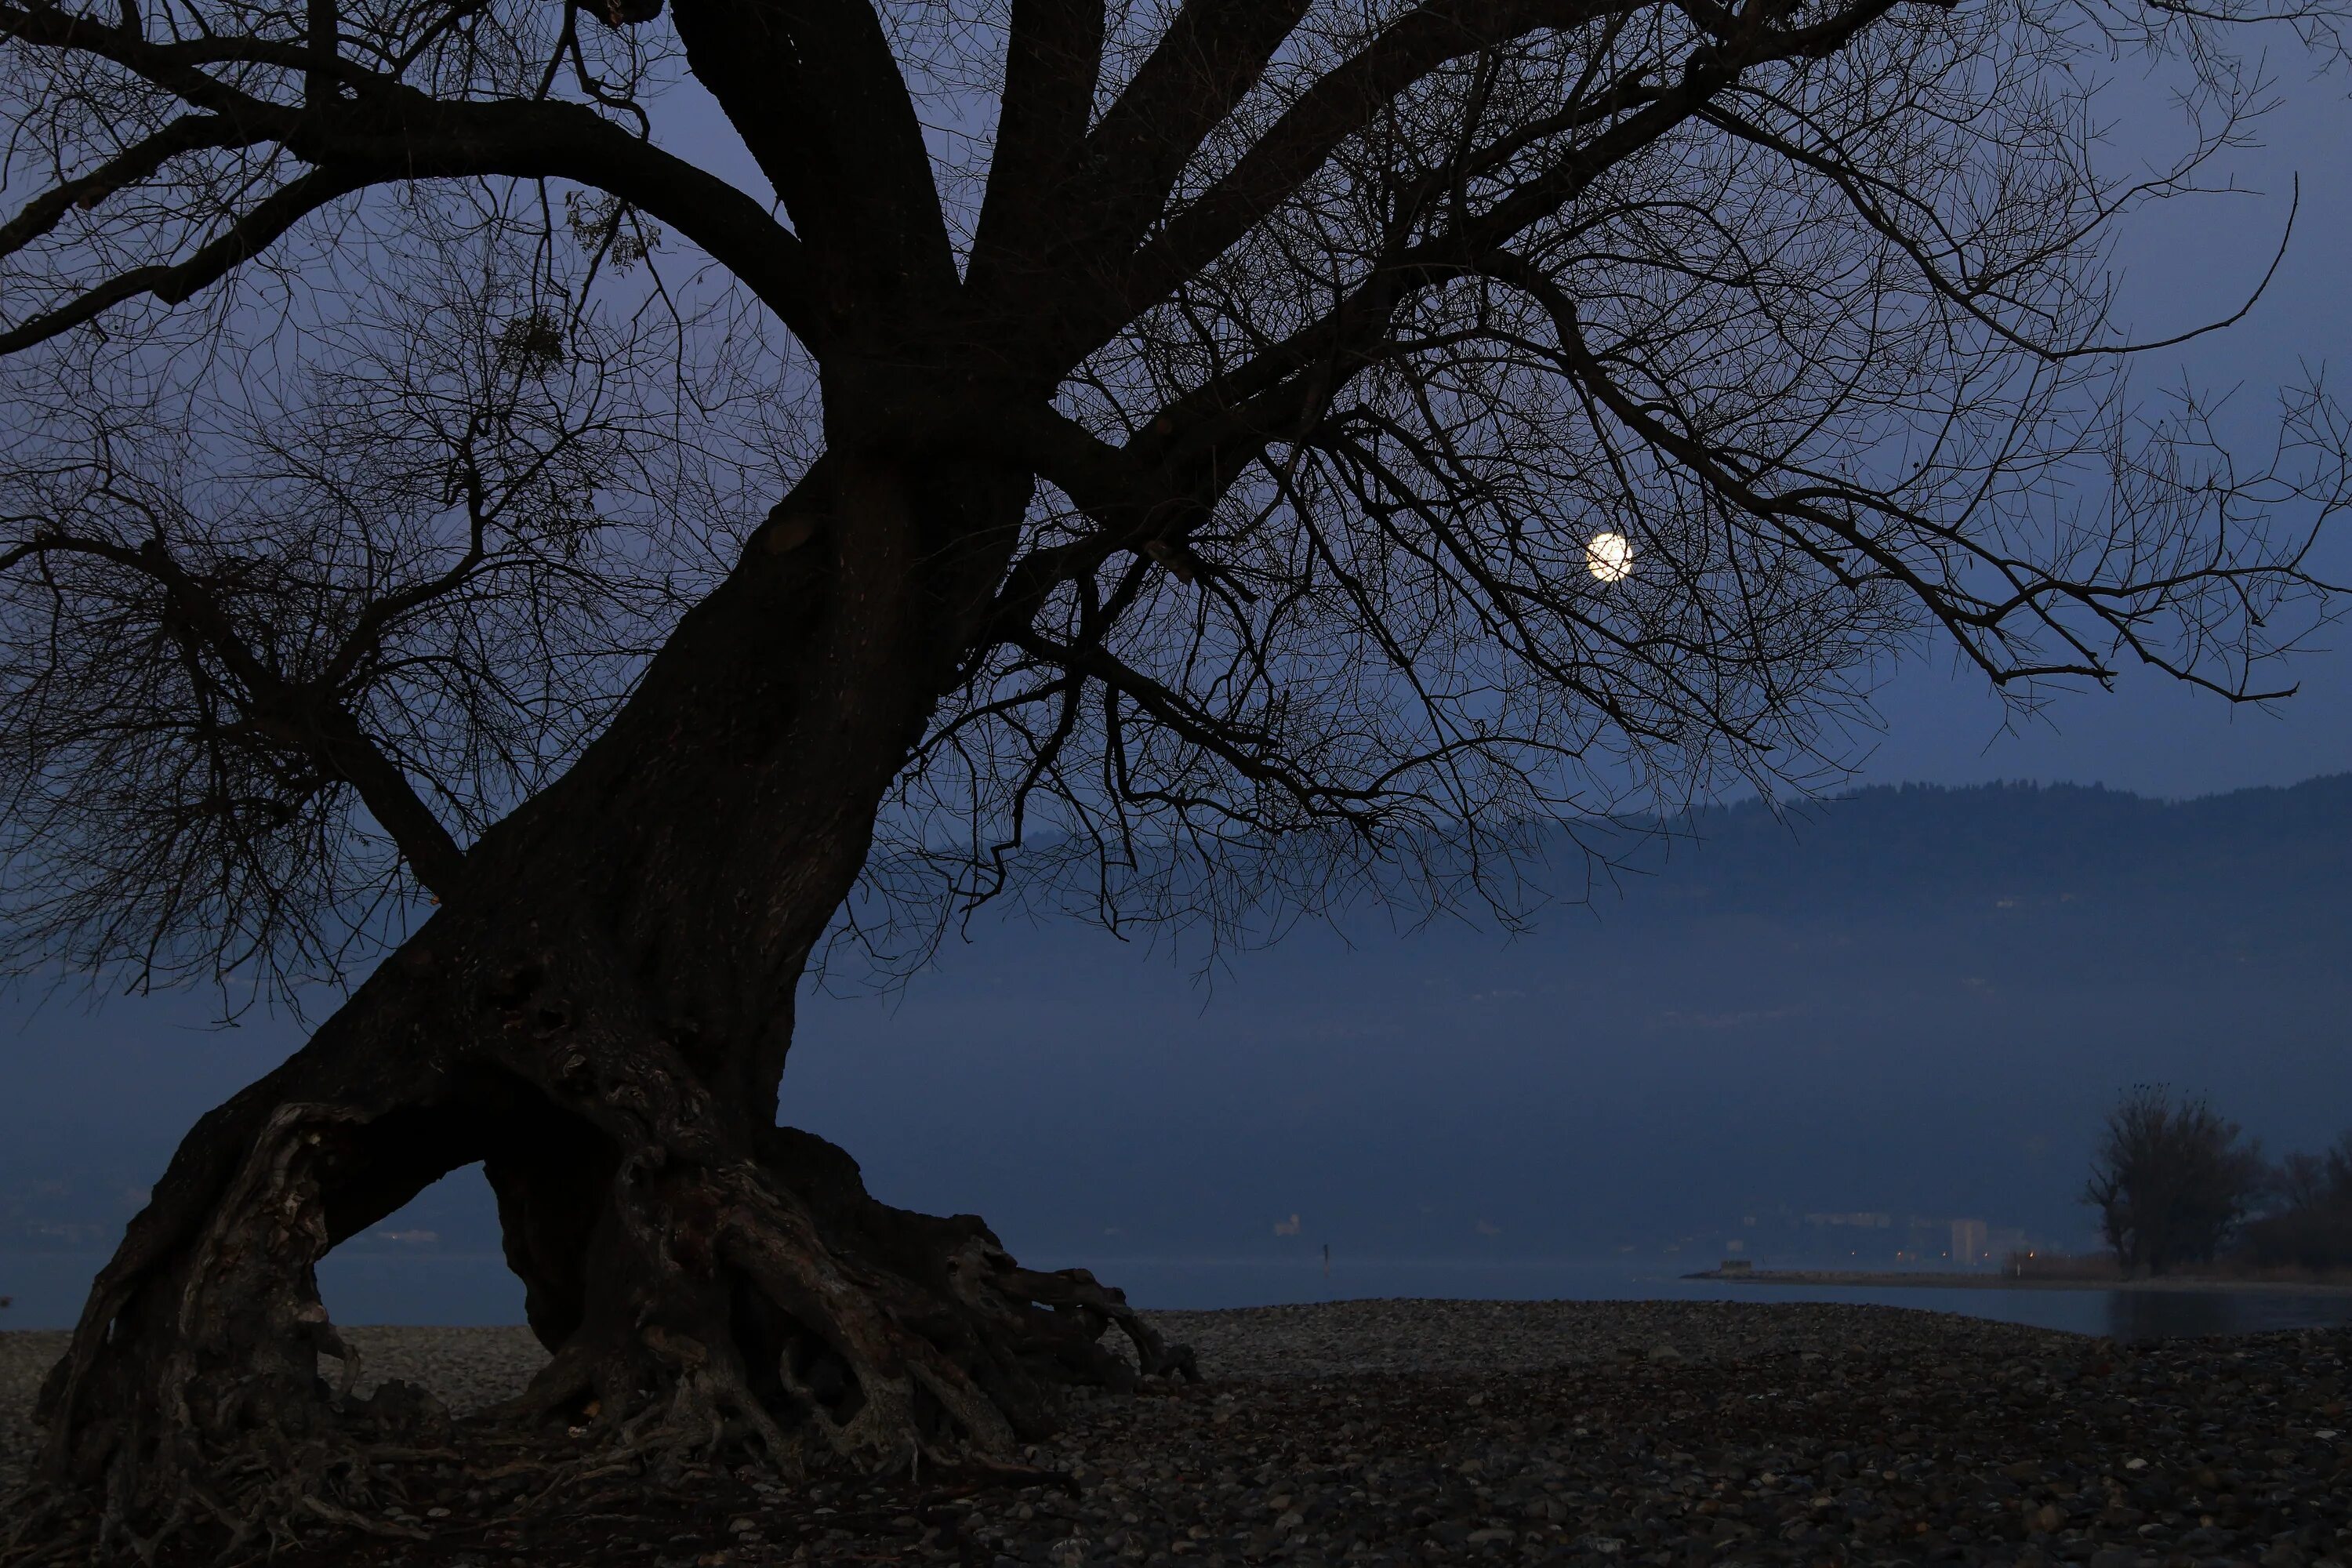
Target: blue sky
x=2180, y=266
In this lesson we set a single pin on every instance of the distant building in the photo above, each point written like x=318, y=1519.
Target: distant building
x=1286, y=1226
x=1969, y=1238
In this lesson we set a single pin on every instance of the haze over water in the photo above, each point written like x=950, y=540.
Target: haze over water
x=1915, y=1002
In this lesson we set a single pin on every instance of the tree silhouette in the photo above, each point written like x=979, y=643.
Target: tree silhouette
x=2307, y=1217
x=2171, y=1182
x=1190, y=461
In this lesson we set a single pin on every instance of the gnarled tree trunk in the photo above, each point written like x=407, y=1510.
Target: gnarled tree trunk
x=600, y=1014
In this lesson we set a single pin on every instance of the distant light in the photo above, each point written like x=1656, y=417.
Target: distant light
x=1610, y=557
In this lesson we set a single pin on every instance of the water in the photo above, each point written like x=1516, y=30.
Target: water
x=462, y=1289
x=443, y=1288
x=1175, y=1283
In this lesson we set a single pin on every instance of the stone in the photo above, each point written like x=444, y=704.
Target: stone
x=1395, y=1434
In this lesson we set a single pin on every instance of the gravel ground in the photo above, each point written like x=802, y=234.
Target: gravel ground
x=26, y=1357
x=468, y=1368
x=1424, y=1432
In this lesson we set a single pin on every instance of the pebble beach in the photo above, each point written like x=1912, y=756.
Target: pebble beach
x=1388, y=1433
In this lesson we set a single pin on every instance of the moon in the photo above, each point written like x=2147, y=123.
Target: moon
x=1610, y=557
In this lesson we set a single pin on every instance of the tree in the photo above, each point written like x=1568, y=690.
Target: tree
x=2171, y=1182
x=2307, y=1220
x=1232, y=454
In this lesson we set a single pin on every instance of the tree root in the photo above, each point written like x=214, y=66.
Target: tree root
x=857, y=1334
x=765, y=1308
x=249, y=1500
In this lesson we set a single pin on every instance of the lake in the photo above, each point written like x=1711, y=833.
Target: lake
x=466, y=1289
x=2118, y=1314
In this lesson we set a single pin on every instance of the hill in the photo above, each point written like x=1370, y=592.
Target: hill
x=1907, y=1000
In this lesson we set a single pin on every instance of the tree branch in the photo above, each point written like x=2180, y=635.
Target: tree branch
x=1244, y=753
x=386, y=132
x=1053, y=60
x=142, y=158
x=264, y=224
x=1970, y=618
x=1204, y=64
x=815, y=92
x=292, y=714
x=1341, y=102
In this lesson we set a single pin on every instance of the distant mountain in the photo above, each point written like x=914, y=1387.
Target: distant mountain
x=1915, y=1001
x=2061, y=879
x=1913, y=846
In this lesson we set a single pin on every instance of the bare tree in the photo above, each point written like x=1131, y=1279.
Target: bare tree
x=1232, y=453
x=2172, y=1181
x=2307, y=1221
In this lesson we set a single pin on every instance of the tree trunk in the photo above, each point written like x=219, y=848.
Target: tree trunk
x=600, y=1016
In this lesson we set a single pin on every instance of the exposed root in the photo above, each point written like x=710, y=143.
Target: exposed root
x=33, y=1538
x=190, y=1400
x=764, y=1309
x=777, y=1311
x=1093, y=1307
x=249, y=1502
x=335, y=1513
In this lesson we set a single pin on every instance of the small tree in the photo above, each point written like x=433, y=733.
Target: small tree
x=2172, y=1181
x=2309, y=1224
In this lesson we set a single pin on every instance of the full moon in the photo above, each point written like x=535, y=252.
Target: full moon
x=1610, y=557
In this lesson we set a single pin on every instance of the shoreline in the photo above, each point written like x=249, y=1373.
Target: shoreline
x=1954, y=1280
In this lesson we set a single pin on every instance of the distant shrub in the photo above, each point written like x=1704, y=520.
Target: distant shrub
x=2307, y=1222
